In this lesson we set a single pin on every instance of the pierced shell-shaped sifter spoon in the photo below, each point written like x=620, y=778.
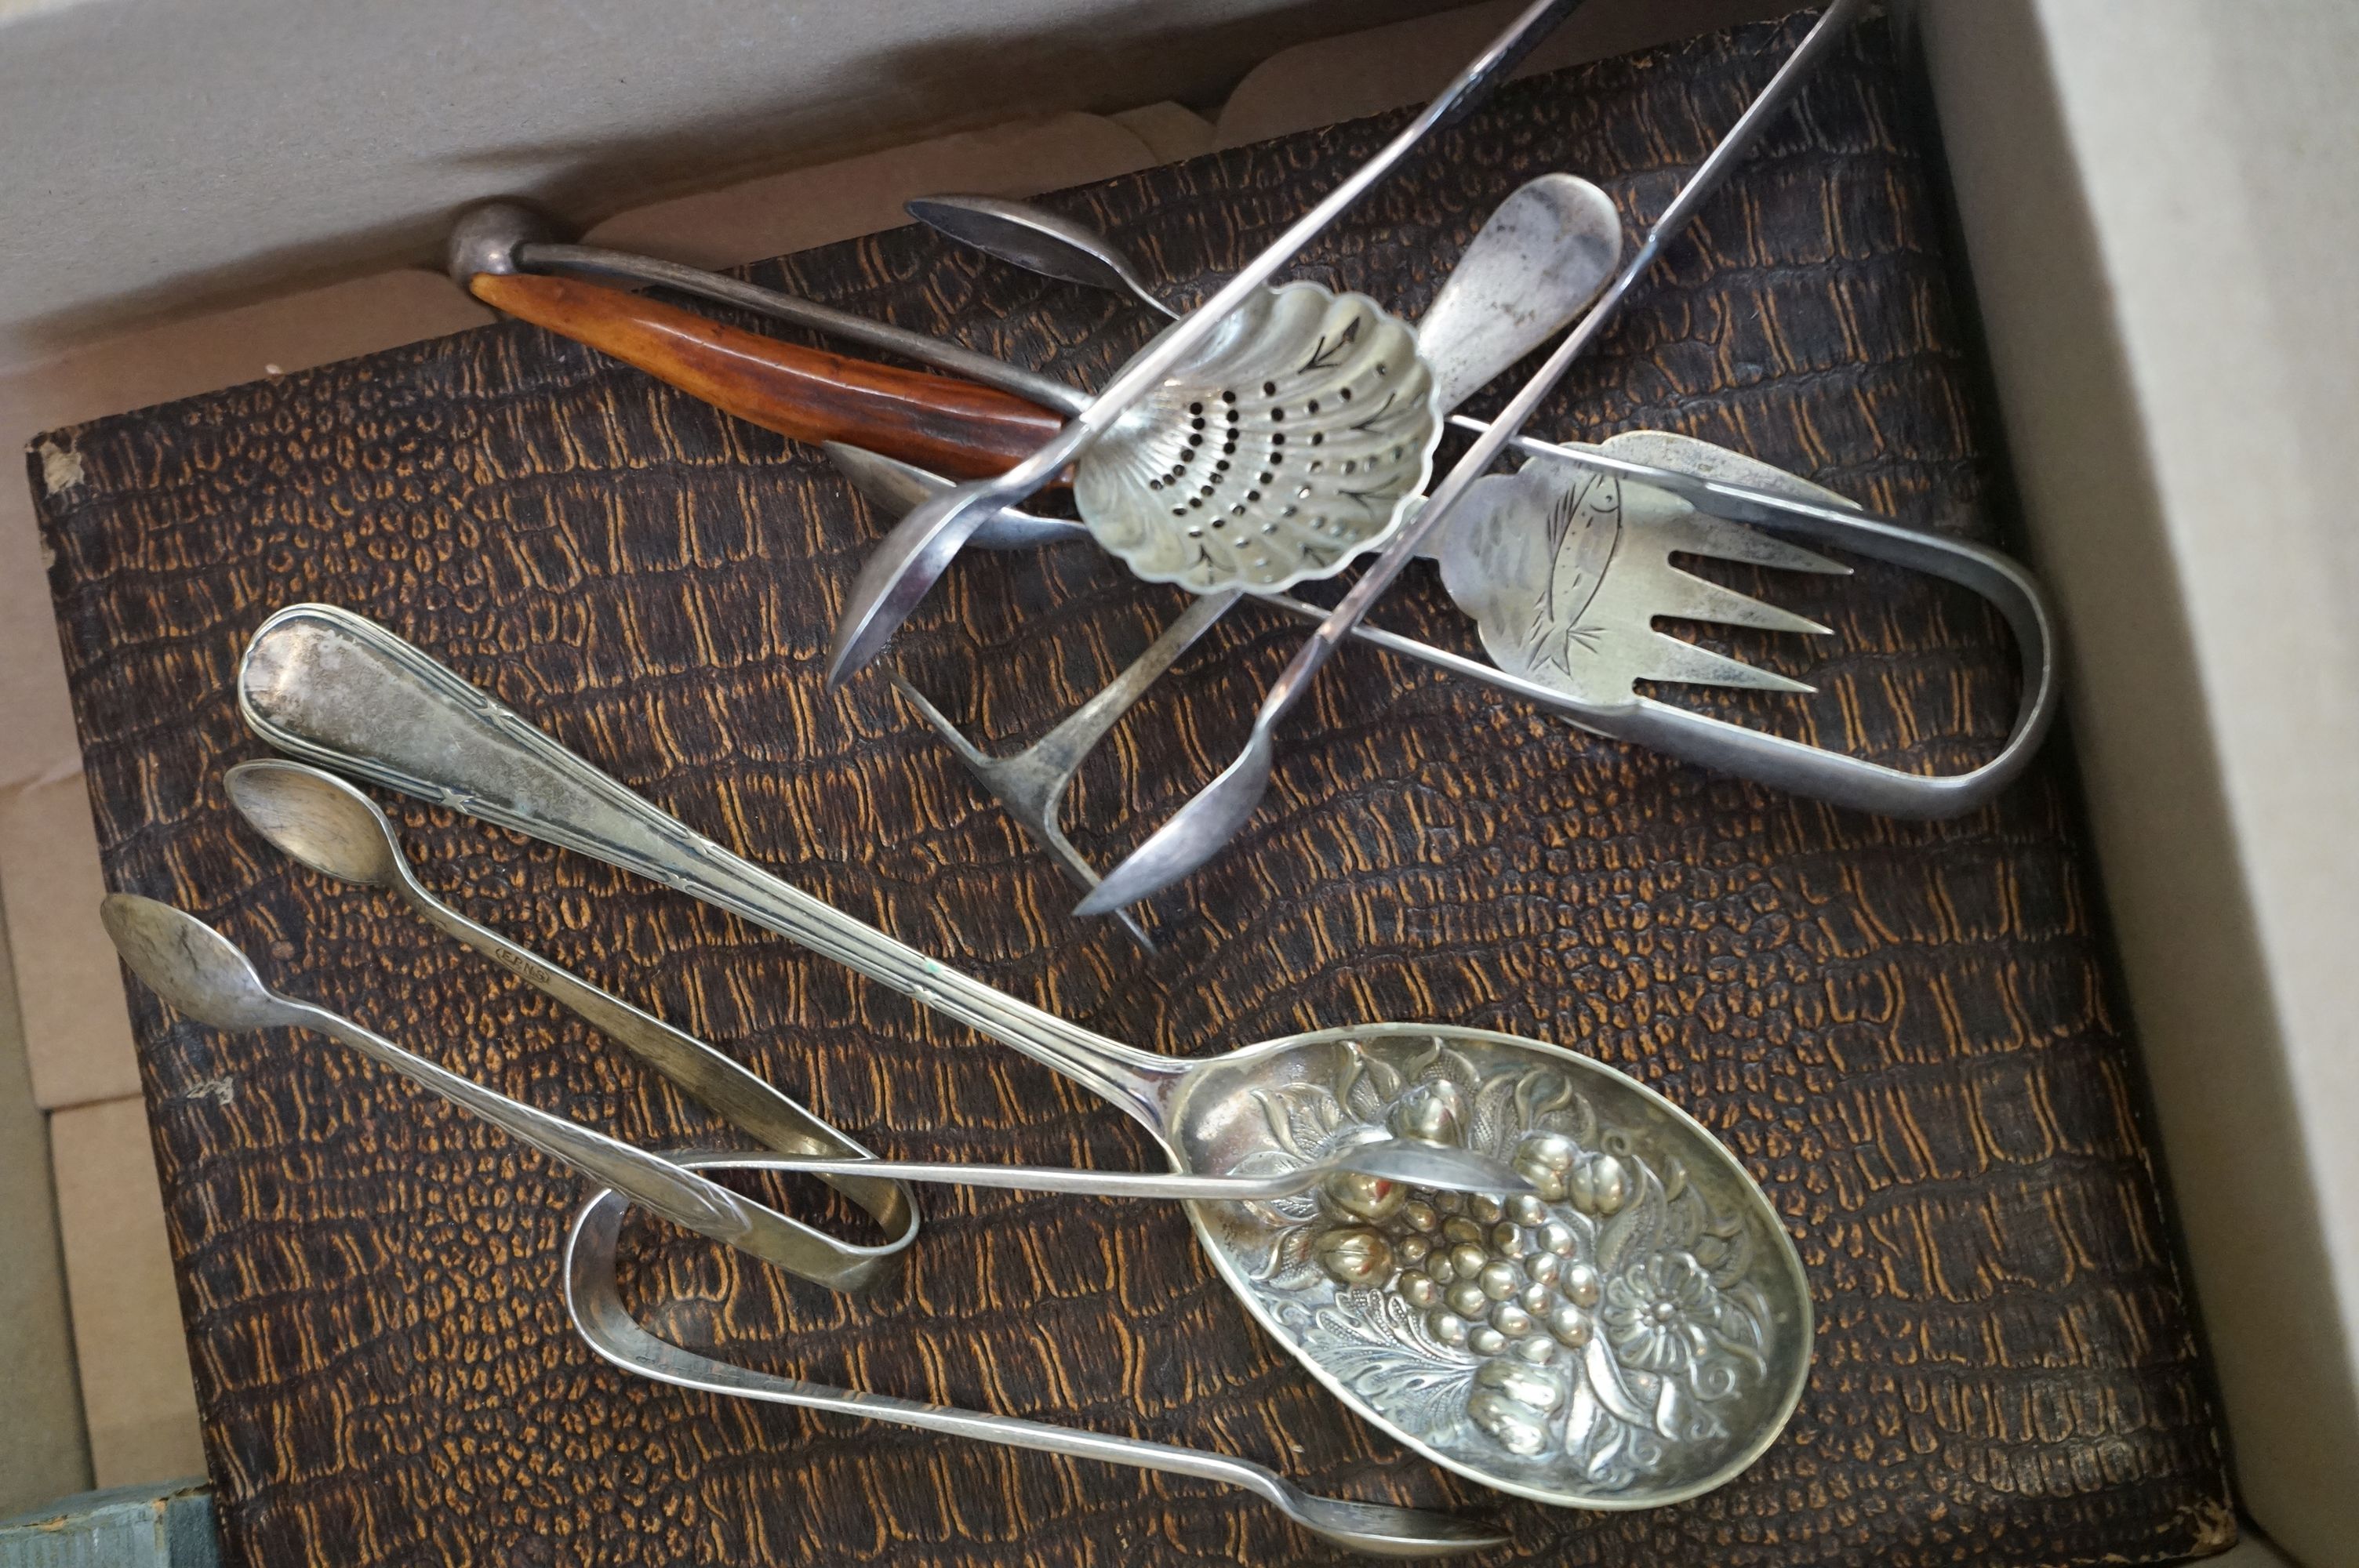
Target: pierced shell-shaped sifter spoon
x=1633, y=1331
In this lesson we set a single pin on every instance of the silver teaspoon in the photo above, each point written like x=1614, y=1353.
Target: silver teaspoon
x=1633, y=1332
x=1038, y=241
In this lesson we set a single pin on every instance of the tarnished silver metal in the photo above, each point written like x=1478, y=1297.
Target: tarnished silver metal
x=595, y=1304
x=1373, y=1169
x=1565, y=571
x=887, y=482
x=1032, y=785
x=1538, y=259
x=1703, y=476
x=904, y=566
x=1290, y=443
x=1038, y=241
x=486, y=238
x=1213, y=816
x=328, y=825
x=331, y=687
x=201, y=973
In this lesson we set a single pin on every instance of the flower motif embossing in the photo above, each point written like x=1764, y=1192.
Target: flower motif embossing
x=1595, y=1323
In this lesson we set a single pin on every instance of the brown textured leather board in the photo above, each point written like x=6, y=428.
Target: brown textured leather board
x=1907, y=1031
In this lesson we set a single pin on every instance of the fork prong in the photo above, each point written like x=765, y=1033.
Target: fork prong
x=1687, y=597
x=1697, y=534
x=1684, y=662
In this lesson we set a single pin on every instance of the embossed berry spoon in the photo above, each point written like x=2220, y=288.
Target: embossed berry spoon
x=1633, y=1332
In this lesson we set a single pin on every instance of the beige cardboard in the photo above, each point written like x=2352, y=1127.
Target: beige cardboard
x=77, y=1032
x=136, y=1395
x=785, y=212
x=166, y=157
x=2156, y=206
x=42, y=1452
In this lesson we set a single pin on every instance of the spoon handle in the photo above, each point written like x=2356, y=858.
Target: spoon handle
x=806, y=395
x=329, y=687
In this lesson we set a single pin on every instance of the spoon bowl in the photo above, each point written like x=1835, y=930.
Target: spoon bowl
x=319, y=820
x=190, y=966
x=1038, y=241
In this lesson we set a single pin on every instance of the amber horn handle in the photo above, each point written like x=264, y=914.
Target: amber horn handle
x=937, y=422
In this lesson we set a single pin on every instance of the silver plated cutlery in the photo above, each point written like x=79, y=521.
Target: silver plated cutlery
x=1503, y=1336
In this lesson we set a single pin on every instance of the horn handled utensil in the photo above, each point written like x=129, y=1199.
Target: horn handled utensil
x=594, y=1301
x=505, y=238
x=920, y=549
x=806, y=395
x=1198, y=830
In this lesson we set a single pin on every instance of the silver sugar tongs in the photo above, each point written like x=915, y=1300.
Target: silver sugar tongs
x=199, y=972
x=595, y=1304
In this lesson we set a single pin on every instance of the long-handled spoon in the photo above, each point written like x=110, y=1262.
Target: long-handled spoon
x=326, y=823
x=1198, y=830
x=1538, y=259
x=1432, y=1316
x=595, y=1304
x=901, y=569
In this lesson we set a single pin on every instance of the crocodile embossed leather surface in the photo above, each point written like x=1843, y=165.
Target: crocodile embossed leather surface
x=1908, y=1033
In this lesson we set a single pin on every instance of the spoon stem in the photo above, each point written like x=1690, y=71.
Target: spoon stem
x=1057, y=1179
